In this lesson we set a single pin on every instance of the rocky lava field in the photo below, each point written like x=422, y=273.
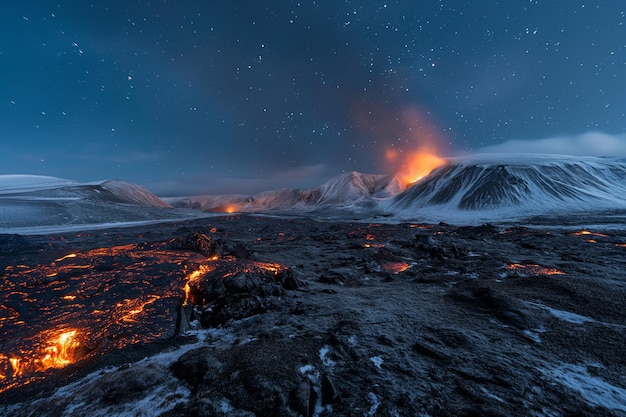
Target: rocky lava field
x=254, y=315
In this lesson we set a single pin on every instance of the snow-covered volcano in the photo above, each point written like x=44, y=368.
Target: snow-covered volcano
x=505, y=185
x=469, y=189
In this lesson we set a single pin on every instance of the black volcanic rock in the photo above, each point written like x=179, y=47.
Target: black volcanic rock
x=12, y=244
x=232, y=288
x=197, y=242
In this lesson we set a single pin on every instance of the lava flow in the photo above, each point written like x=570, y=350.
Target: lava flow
x=68, y=309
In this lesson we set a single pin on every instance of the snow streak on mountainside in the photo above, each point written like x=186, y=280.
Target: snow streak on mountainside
x=132, y=194
x=503, y=185
x=346, y=189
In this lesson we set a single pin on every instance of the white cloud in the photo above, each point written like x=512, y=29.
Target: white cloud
x=586, y=144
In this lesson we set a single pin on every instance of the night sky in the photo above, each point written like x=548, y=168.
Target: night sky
x=197, y=97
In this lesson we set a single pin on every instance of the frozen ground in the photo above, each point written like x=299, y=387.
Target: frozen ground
x=386, y=319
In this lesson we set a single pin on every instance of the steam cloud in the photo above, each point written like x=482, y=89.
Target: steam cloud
x=587, y=144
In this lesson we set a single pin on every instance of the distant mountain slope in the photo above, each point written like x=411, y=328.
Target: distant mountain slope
x=39, y=205
x=345, y=189
x=132, y=193
x=517, y=184
x=34, y=187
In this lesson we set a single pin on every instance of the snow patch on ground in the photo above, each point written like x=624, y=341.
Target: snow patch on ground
x=594, y=390
x=375, y=403
x=377, y=360
x=569, y=316
x=314, y=377
x=535, y=334
x=328, y=362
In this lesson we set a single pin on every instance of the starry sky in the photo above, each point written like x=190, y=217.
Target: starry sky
x=203, y=97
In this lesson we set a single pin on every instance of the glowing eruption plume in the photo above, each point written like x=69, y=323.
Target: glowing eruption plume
x=414, y=153
x=414, y=166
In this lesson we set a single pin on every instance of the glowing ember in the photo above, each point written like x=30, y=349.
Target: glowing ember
x=394, y=267
x=139, y=308
x=272, y=267
x=16, y=364
x=533, y=270
x=588, y=233
x=374, y=245
x=60, y=352
x=71, y=255
x=197, y=273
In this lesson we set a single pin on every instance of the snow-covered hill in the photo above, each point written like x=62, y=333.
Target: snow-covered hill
x=38, y=204
x=507, y=185
x=35, y=187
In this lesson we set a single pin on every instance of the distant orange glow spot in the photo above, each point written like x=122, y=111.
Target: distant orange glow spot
x=69, y=297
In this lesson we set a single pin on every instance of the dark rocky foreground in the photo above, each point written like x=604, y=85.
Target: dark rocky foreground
x=305, y=317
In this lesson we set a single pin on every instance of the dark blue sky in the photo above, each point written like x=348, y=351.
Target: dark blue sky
x=189, y=97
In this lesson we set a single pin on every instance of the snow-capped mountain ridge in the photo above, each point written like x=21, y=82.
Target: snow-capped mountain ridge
x=345, y=189
x=518, y=183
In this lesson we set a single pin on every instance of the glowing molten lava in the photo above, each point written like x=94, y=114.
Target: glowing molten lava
x=394, y=267
x=60, y=351
x=527, y=270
